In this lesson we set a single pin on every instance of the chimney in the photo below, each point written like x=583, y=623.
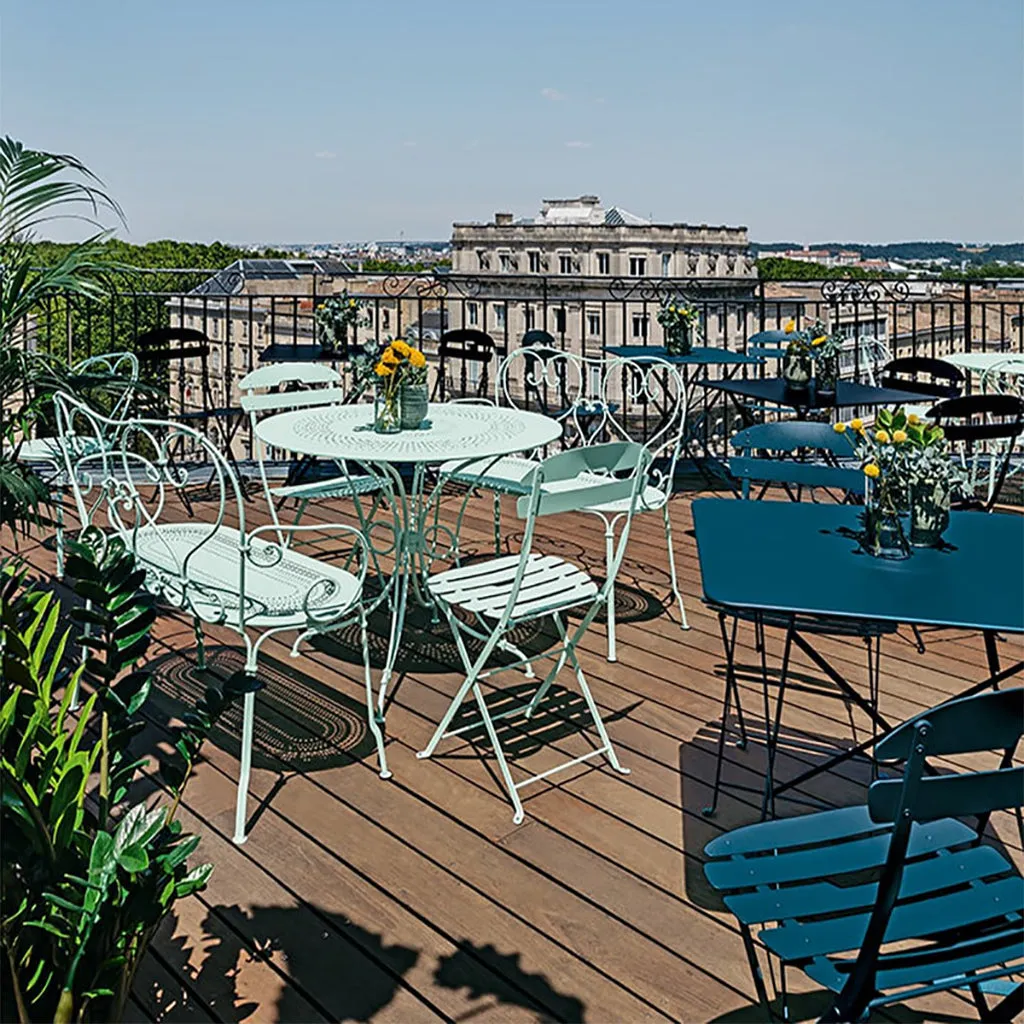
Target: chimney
x=503, y=218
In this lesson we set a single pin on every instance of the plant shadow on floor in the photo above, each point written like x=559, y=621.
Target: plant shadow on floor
x=328, y=967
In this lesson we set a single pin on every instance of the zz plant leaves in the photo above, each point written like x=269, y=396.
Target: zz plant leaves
x=86, y=879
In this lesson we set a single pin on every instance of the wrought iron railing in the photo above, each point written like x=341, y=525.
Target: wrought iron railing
x=247, y=319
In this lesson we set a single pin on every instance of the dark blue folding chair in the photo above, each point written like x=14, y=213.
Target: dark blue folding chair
x=899, y=898
x=795, y=453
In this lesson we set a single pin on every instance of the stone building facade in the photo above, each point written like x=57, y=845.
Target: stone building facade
x=593, y=276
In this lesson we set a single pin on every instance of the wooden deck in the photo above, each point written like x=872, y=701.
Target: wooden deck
x=418, y=899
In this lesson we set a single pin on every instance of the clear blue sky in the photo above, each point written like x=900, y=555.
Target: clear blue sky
x=305, y=120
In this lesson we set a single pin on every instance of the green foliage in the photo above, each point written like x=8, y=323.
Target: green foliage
x=86, y=878
x=777, y=268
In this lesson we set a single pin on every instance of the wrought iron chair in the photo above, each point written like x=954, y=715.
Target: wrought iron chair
x=978, y=426
x=463, y=359
x=641, y=400
x=109, y=381
x=502, y=593
x=899, y=898
x=287, y=386
x=248, y=579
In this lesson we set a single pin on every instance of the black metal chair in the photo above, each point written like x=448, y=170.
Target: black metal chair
x=544, y=339
x=464, y=358
x=161, y=348
x=923, y=375
x=969, y=422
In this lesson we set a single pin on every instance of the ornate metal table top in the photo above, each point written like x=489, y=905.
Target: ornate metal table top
x=455, y=431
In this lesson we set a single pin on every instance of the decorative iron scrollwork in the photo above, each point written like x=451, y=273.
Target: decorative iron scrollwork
x=840, y=290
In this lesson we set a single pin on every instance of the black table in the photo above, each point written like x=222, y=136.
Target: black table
x=848, y=394
x=283, y=352
x=813, y=568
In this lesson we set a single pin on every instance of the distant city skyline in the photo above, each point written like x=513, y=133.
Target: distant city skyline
x=326, y=119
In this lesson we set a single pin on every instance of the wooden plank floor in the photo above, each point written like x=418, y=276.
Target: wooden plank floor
x=418, y=899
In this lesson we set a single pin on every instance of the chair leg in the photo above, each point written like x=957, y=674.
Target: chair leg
x=729, y=644
x=506, y=775
x=672, y=568
x=473, y=669
x=59, y=535
x=245, y=768
x=497, y=523
x=197, y=627
x=371, y=714
x=609, y=557
x=581, y=681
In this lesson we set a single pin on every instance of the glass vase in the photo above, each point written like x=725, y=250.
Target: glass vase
x=929, y=512
x=826, y=374
x=796, y=370
x=679, y=341
x=884, y=535
x=413, y=405
x=386, y=409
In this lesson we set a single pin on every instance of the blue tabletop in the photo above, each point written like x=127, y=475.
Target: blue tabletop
x=791, y=557
x=848, y=393
x=697, y=356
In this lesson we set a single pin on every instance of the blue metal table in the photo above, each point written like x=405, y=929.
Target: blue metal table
x=813, y=569
x=694, y=367
x=775, y=391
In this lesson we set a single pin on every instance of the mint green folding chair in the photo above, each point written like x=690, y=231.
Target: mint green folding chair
x=484, y=602
x=595, y=400
x=281, y=388
x=900, y=898
x=245, y=578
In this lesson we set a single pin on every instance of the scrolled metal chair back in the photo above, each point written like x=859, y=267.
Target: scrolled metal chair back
x=125, y=480
x=647, y=403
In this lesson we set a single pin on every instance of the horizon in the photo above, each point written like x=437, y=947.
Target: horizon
x=327, y=120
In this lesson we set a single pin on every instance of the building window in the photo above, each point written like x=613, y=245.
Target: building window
x=595, y=381
x=564, y=264
x=215, y=360
x=666, y=264
x=385, y=319
x=593, y=323
x=483, y=259
x=534, y=262
x=231, y=328
x=604, y=263
x=471, y=314
x=640, y=321
x=560, y=320
x=499, y=317
x=637, y=266
x=505, y=264
x=531, y=318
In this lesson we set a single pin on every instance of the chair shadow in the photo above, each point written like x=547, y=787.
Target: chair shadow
x=300, y=722
x=562, y=713
x=335, y=968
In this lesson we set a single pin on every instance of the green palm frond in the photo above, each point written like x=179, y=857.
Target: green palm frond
x=34, y=189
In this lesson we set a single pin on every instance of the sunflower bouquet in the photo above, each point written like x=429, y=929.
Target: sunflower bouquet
x=680, y=324
x=401, y=375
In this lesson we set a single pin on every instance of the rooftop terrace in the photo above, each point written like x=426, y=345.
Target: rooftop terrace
x=418, y=899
